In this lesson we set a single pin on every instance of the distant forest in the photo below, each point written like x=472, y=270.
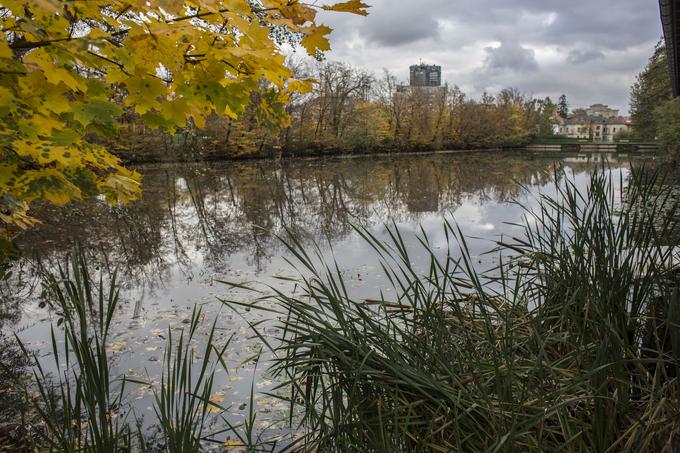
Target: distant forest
x=351, y=110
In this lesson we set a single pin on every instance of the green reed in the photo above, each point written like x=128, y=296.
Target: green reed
x=183, y=400
x=83, y=407
x=571, y=343
x=80, y=406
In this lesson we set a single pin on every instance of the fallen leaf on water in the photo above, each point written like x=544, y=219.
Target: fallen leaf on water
x=217, y=399
x=117, y=346
x=233, y=444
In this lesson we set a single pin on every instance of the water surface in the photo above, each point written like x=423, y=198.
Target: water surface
x=200, y=224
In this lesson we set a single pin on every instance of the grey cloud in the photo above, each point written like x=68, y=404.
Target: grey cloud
x=613, y=26
x=393, y=25
x=562, y=43
x=510, y=55
x=602, y=24
x=577, y=56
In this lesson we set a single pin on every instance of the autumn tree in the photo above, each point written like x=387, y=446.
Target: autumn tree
x=540, y=116
x=390, y=97
x=456, y=102
x=68, y=68
x=369, y=127
x=651, y=90
x=340, y=88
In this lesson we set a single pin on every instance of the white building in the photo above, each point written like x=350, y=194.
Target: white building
x=602, y=110
x=594, y=127
x=598, y=123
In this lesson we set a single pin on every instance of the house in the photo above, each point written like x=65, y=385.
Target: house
x=596, y=128
x=601, y=110
x=597, y=123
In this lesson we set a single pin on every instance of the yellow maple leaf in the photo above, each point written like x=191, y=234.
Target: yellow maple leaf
x=233, y=443
x=315, y=39
x=216, y=400
x=352, y=6
x=117, y=346
x=301, y=86
x=5, y=51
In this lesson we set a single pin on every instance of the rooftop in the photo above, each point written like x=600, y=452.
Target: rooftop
x=594, y=119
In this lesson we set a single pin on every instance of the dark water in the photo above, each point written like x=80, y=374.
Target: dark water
x=199, y=224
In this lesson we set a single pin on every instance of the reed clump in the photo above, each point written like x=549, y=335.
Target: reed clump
x=572, y=343
x=74, y=402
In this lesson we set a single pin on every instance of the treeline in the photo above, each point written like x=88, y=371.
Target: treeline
x=655, y=114
x=351, y=110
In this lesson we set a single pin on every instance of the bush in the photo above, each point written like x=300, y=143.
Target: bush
x=623, y=135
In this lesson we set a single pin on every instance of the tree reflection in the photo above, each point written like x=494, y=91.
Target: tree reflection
x=206, y=213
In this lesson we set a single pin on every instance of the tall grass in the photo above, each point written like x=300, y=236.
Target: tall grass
x=183, y=401
x=81, y=406
x=571, y=343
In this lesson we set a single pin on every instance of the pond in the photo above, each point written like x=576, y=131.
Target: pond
x=200, y=224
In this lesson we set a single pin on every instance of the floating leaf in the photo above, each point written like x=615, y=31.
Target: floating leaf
x=117, y=346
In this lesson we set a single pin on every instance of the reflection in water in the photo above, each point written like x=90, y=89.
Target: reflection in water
x=192, y=214
x=197, y=224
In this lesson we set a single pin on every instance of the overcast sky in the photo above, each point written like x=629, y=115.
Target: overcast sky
x=590, y=50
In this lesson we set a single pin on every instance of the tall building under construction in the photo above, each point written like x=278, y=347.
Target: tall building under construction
x=423, y=75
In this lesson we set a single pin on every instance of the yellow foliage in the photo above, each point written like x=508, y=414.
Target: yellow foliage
x=69, y=68
x=352, y=6
x=315, y=39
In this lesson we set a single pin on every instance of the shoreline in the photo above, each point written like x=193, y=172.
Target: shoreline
x=364, y=154
x=183, y=157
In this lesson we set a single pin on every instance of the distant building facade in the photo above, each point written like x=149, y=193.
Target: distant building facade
x=602, y=110
x=597, y=122
x=423, y=75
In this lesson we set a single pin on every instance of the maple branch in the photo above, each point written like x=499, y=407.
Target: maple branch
x=122, y=67
x=211, y=13
x=224, y=24
x=197, y=15
x=235, y=68
x=123, y=11
x=113, y=62
x=27, y=45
